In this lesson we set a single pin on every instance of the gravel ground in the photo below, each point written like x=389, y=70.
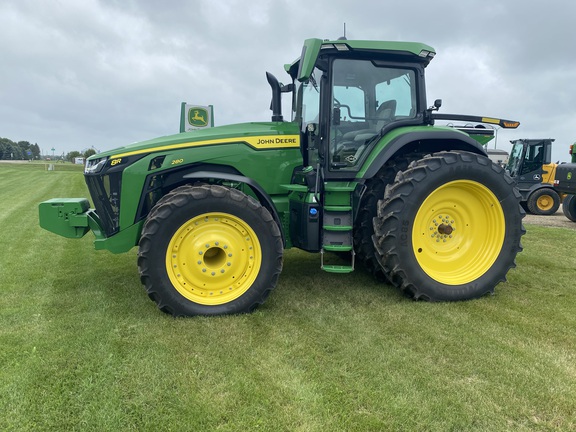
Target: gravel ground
x=556, y=220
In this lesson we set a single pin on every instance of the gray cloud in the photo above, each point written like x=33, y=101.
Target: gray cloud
x=106, y=73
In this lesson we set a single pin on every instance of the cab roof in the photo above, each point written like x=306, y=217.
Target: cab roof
x=302, y=67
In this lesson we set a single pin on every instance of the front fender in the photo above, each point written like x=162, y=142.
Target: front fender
x=258, y=190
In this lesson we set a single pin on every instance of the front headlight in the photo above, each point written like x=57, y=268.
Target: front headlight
x=94, y=166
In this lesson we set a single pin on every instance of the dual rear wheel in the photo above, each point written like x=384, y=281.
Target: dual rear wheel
x=449, y=227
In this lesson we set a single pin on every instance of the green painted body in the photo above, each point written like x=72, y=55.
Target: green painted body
x=68, y=217
x=565, y=181
x=268, y=160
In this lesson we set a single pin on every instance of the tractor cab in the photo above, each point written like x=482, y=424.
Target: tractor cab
x=346, y=93
x=531, y=160
x=346, y=96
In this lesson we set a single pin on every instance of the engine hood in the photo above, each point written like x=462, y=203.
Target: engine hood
x=248, y=132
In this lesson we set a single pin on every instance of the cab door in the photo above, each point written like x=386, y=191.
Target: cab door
x=532, y=171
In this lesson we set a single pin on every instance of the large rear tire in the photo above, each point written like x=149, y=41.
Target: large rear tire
x=449, y=228
x=544, y=201
x=209, y=250
x=569, y=207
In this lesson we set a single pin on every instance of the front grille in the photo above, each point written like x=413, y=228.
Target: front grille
x=105, y=193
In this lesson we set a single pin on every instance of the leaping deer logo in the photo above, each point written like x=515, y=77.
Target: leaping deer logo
x=199, y=117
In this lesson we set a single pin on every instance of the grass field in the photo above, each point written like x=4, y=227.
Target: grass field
x=83, y=348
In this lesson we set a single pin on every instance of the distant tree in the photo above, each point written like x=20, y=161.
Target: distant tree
x=89, y=153
x=35, y=149
x=24, y=147
x=13, y=151
x=72, y=155
x=6, y=148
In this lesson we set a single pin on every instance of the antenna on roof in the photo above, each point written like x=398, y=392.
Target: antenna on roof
x=343, y=37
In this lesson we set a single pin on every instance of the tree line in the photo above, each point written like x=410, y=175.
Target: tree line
x=23, y=150
x=74, y=154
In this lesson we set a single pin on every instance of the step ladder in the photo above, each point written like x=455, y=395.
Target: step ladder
x=337, y=224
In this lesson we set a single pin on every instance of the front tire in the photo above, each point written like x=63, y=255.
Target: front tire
x=543, y=202
x=209, y=250
x=449, y=228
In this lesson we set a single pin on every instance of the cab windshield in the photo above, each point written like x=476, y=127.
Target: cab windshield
x=523, y=162
x=514, y=159
x=366, y=96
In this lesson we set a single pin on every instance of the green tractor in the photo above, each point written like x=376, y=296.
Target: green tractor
x=565, y=182
x=360, y=170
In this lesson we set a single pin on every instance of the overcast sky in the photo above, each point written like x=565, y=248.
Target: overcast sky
x=76, y=74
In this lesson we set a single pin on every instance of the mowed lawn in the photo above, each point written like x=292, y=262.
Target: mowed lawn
x=83, y=348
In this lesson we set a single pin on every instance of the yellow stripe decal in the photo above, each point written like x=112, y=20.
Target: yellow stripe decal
x=259, y=142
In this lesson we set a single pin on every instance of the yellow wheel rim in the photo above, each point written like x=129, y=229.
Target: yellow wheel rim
x=545, y=202
x=213, y=258
x=458, y=232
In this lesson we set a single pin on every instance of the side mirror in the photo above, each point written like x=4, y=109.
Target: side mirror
x=428, y=113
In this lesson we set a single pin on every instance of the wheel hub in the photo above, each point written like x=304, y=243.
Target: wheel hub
x=442, y=227
x=213, y=258
x=545, y=202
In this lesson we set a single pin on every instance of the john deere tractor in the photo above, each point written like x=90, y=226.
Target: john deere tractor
x=565, y=182
x=360, y=169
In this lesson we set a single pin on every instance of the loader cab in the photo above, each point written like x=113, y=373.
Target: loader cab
x=530, y=162
x=350, y=95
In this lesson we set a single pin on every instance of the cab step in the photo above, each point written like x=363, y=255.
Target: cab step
x=337, y=269
x=337, y=225
x=334, y=268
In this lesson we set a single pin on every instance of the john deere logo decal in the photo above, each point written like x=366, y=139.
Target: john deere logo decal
x=198, y=117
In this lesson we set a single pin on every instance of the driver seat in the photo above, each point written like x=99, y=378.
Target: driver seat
x=384, y=114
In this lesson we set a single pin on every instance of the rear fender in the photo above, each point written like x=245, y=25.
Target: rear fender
x=421, y=142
